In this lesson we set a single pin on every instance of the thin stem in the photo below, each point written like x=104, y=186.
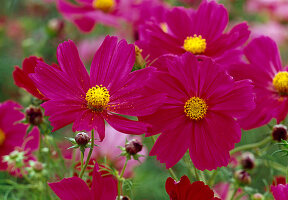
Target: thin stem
x=196, y=174
x=82, y=159
x=124, y=168
x=212, y=178
x=120, y=178
x=251, y=146
x=202, y=175
x=234, y=193
x=89, y=154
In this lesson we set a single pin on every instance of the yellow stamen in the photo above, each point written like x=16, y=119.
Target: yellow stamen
x=164, y=27
x=97, y=98
x=104, y=5
x=195, y=108
x=2, y=137
x=195, y=44
x=280, y=82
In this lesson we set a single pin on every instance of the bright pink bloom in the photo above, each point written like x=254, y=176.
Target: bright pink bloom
x=270, y=80
x=184, y=190
x=111, y=88
x=103, y=188
x=199, y=32
x=86, y=13
x=199, y=112
x=22, y=79
x=280, y=192
x=12, y=133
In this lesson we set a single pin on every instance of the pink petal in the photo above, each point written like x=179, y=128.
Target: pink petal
x=125, y=125
x=70, y=63
x=112, y=63
x=172, y=145
x=71, y=189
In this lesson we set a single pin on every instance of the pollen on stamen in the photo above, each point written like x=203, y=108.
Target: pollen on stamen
x=195, y=108
x=104, y=5
x=97, y=98
x=195, y=44
x=280, y=83
x=2, y=137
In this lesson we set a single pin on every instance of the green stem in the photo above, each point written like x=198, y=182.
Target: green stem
x=82, y=159
x=275, y=165
x=202, y=175
x=212, y=178
x=89, y=154
x=196, y=174
x=120, y=178
x=234, y=193
x=251, y=146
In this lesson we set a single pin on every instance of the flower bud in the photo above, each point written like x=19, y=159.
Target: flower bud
x=82, y=138
x=125, y=198
x=279, y=132
x=56, y=26
x=34, y=115
x=257, y=196
x=247, y=160
x=38, y=166
x=133, y=147
x=242, y=177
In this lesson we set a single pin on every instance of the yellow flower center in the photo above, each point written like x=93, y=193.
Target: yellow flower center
x=2, y=137
x=164, y=27
x=104, y=5
x=195, y=44
x=280, y=82
x=195, y=108
x=97, y=98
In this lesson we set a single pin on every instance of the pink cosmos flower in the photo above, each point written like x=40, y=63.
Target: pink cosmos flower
x=111, y=88
x=12, y=134
x=103, y=188
x=280, y=192
x=86, y=13
x=270, y=80
x=199, y=112
x=184, y=190
x=199, y=32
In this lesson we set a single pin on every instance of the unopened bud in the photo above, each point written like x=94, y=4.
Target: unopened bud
x=247, y=160
x=133, y=147
x=125, y=198
x=82, y=138
x=34, y=115
x=242, y=177
x=257, y=196
x=139, y=61
x=279, y=132
x=56, y=26
x=38, y=166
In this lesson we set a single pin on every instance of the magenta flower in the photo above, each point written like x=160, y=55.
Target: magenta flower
x=270, y=80
x=199, y=112
x=22, y=79
x=111, y=88
x=12, y=134
x=280, y=192
x=103, y=188
x=184, y=190
x=199, y=32
x=86, y=13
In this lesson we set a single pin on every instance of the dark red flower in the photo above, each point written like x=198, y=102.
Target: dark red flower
x=184, y=190
x=22, y=79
